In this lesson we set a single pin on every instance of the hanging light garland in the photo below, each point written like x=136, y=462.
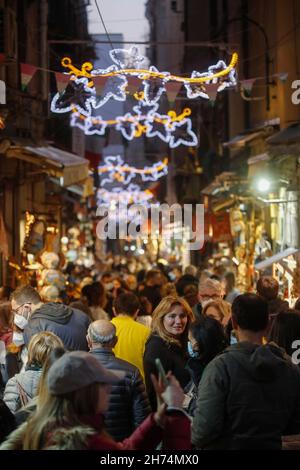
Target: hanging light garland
x=172, y=128
x=82, y=88
x=121, y=172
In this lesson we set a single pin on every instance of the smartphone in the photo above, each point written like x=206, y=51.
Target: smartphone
x=161, y=372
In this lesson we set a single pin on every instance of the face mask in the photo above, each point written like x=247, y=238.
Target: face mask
x=191, y=352
x=20, y=321
x=109, y=286
x=18, y=338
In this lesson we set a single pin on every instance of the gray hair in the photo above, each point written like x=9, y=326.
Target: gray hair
x=100, y=339
x=212, y=284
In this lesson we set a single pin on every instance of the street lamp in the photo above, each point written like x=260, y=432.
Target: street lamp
x=263, y=185
x=267, y=55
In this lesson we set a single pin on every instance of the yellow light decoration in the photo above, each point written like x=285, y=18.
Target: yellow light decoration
x=144, y=74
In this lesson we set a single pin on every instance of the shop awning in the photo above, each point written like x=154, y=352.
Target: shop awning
x=287, y=136
x=244, y=138
x=67, y=166
x=275, y=258
x=257, y=164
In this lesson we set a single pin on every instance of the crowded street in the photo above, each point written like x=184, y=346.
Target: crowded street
x=149, y=228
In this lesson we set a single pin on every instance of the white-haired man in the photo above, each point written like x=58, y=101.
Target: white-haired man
x=129, y=404
x=208, y=290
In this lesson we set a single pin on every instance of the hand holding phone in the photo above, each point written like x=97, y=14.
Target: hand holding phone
x=161, y=372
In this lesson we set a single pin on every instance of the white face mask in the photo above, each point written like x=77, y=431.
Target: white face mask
x=20, y=321
x=18, y=338
x=109, y=286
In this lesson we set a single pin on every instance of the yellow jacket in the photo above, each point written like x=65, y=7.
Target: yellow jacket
x=132, y=337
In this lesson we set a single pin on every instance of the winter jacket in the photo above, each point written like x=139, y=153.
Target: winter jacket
x=172, y=358
x=132, y=337
x=90, y=436
x=69, y=324
x=128, y=404
x=7, y=421
x=21, y=388
x=248, y=397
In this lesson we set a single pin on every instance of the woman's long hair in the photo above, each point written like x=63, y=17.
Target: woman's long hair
x=40, y=346
x=61, y=411
x=164, y=307
x=210, y=338
x=286, y=329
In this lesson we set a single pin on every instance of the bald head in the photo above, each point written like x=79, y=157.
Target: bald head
x=102, y=333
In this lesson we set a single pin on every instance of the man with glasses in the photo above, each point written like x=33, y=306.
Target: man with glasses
x=33, y=316
x=208, y=290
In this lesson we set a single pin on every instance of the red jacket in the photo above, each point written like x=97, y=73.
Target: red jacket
x=175, y=436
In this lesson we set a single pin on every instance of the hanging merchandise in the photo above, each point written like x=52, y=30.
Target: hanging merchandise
x=123, y=173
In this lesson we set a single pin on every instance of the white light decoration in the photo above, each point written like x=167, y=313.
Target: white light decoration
x=182, y=133
x=119, y=171
x=127, y=125
x=195, y=90
x=166, y=127
x=115, y=88
x=154, y=88
x=158, y=125
x=77, y=92
x=131, y=195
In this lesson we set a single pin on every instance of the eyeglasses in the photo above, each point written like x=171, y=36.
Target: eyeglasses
x=16, y=311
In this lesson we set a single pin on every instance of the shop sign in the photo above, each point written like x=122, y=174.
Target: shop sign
x=221, y=227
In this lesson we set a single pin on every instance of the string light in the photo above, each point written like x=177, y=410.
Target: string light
x=166, y=127
x=131, y=195
x=196, y=89
x=126, y=63
x=123, y=173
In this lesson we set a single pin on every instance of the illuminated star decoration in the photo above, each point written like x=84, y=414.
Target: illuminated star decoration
x=182, y=133
x=159, y=126
x=123, y=173
x=127, y=125
x=95, y=126
x=77, y=93
x=194, y=90
x=127, y=58
x=115, y=88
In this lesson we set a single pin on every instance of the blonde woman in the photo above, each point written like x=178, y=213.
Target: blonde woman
x=220, y=310
x=168, y=342
x=21, y=388
x=71, y=415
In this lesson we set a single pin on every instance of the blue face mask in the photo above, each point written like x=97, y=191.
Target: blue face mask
x=191, y=352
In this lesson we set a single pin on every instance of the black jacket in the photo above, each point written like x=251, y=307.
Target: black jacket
x=69, y=324
x=248, y=397
x=128, y=404
x=173, y=359
x=7, y=421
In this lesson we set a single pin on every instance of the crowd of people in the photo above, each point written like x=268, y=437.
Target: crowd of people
x=82, y=373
